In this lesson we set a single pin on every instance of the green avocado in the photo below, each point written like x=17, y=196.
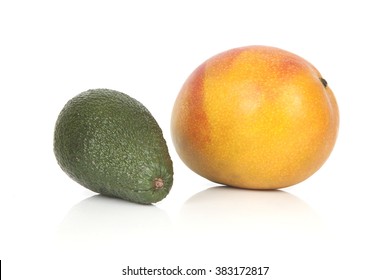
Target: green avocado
x=110, y=143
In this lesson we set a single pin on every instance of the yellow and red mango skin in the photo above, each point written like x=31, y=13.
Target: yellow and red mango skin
x=255, y=117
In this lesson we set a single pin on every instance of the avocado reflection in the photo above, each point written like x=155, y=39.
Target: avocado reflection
x=225, y=210
x=108, y=221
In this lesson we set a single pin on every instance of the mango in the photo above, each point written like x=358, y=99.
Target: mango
x=255, y=117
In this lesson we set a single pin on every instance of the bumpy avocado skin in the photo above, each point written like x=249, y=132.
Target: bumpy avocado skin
x=110, y=143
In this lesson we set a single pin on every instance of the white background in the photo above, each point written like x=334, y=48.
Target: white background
x=332, y=226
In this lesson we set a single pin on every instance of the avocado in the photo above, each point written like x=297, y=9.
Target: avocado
x=110, y=143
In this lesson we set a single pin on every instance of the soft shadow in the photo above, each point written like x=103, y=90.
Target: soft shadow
x=230, y=211
x=105, y=221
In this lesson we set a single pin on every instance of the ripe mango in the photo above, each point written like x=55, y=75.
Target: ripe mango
x=255, y=117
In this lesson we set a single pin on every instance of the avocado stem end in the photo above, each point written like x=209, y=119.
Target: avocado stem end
x=158, y=183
